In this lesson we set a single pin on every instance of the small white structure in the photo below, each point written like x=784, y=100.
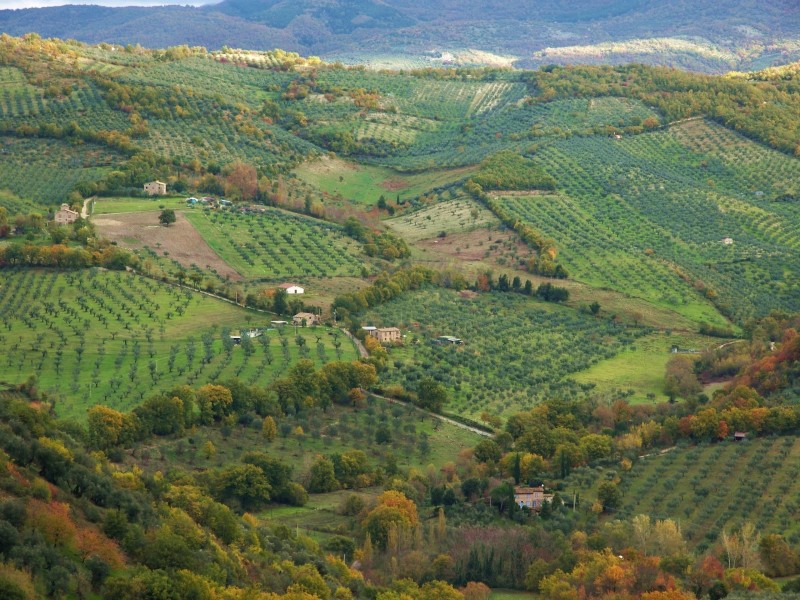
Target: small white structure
x=727, y=241
x=292, y=288
x=155, y=188
x=66, y=215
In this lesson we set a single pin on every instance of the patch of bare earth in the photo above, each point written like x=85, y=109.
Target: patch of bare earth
x=180, y=240
x=394, y=184
x=473, y=246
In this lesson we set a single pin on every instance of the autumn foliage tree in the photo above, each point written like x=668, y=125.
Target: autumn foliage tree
x=241, y=181
x=393, y=510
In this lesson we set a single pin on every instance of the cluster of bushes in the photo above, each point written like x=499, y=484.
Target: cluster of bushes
x=508, y=170
x=546, y=291
x=64, y=257
x=386, y=245
x=385, y=287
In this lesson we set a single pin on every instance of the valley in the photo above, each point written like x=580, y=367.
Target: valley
x=234, y=386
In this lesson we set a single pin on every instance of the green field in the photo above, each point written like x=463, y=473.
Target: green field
x=365, y=184
x=641, y=366
x=276, y=244
x=511, y=595
x=115, y=338
x=516, y=350
x=103, y=206
x=712, y=488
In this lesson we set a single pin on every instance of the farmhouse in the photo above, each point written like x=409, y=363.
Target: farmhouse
x=66, y=215
x=155, y=188
x=305, y=319
x=531, y=497
x=292, y=288
x=386, y=334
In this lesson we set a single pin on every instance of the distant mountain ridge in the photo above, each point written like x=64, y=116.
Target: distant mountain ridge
x=699, y=35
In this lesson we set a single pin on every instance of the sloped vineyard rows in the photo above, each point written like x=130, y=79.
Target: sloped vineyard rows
x=516, y=351
x=115, y=338
x=274, y=244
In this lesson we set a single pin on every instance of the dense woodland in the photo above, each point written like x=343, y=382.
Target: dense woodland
x=166, y=433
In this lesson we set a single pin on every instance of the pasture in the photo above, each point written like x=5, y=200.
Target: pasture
x=113, y=205
x=114, y=338
x=516, y=350
x=640, y=367
x=365, y=184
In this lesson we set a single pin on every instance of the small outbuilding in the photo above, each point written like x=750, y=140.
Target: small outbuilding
x=305, y=319
x=448, y=339
x=292, y=288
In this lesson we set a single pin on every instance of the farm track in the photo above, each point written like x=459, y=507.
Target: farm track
x=443, y=418
x=85, y=209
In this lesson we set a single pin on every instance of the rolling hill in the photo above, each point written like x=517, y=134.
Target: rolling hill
x=695, y=35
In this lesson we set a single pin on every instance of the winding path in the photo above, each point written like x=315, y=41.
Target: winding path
x=85, y=209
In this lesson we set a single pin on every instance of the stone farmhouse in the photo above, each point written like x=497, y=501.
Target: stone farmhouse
x=155, y=188
x=305, y=319
x=531, y=497
x=66, y=215
x=386, y=334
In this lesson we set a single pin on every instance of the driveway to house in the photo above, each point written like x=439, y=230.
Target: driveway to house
x=85, y=209
x=362, y=351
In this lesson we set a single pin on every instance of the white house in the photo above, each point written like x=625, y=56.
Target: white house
x=292, y=288
x=155, y=188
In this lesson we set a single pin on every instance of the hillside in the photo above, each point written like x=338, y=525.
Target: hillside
x=694, y=35
x=394, y=335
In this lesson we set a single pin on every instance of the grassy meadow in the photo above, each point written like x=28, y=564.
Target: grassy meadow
x=365, y=184
x=640, y=367
x=111, y=205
